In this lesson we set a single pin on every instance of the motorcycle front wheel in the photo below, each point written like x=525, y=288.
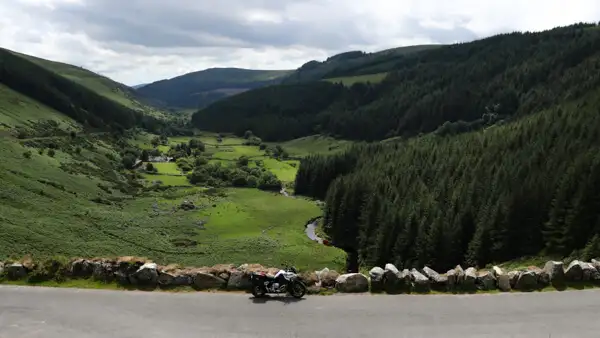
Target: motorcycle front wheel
x=258, y=291
x=298, y=289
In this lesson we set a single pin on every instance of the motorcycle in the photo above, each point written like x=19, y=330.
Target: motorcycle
x=286, y=281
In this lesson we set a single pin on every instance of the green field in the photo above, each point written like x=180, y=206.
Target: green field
x=44, y=210
x=316, y=144
x=350, y=80
x=231, y=149
x=168, y=180
x=169, y=168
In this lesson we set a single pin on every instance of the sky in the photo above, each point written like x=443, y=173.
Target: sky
x=141, y=41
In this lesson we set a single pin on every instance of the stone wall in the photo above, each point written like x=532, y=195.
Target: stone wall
x=143, y=273
x=393, y=281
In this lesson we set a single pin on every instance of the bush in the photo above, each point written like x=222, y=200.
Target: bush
x=252, y=181
x=248, y=134
x=240, y=179
x=78, y=150
x=128, y=161
x=150, y=167
x=200, y=161
x=51, y=152
x=268, y=181
x=262, y=146
x=243, y=161
x=27, y=154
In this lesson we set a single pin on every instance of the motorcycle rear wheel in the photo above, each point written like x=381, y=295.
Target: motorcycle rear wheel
x=258, y=291
x=298, y=289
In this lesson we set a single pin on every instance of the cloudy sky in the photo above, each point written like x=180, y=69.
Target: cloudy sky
x=140, y=41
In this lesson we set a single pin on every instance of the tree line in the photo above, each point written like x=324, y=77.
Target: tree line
x=517, y=73
x=529, y=187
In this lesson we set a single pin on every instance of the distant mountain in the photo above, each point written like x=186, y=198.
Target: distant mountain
x=139, y=86
x=199, y=89
x=455, y=88
x=354, y=63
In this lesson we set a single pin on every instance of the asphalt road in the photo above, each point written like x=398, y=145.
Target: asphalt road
x=61, y=313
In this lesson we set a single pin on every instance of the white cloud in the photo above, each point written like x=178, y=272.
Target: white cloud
x=137, y=41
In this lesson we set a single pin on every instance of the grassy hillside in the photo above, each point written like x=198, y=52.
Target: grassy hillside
x=67, y=190
x=449, y=89
x=18, y=110
x=353, y=64
x=199, y=89
x=86, y=104
x=102, y=85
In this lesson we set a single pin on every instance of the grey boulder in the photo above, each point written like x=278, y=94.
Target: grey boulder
x=555, y=271
x=16, y=271
x=146, y=275
x=574, y=272
x=502, y=278
x=239, y=280
x=528, y=280
x=486, y=280
x=206, y=281
x=421, y=283
x=376, y=275
x=352, y=283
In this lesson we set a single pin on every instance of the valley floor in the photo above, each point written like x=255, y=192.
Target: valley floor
x=60, y=205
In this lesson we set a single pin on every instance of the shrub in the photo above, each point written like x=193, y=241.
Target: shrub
x=252, y=181
x=128, y=161
x=27, y=154
x=243, y=161
x=248, y=134
x=268, y=181
x=51, y=152
x=200, y=161
x=240, y=179
x=150, y=167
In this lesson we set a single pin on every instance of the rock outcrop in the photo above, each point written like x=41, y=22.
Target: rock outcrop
x=352, y=283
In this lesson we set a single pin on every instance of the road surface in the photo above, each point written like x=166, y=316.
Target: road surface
x=62, y=313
